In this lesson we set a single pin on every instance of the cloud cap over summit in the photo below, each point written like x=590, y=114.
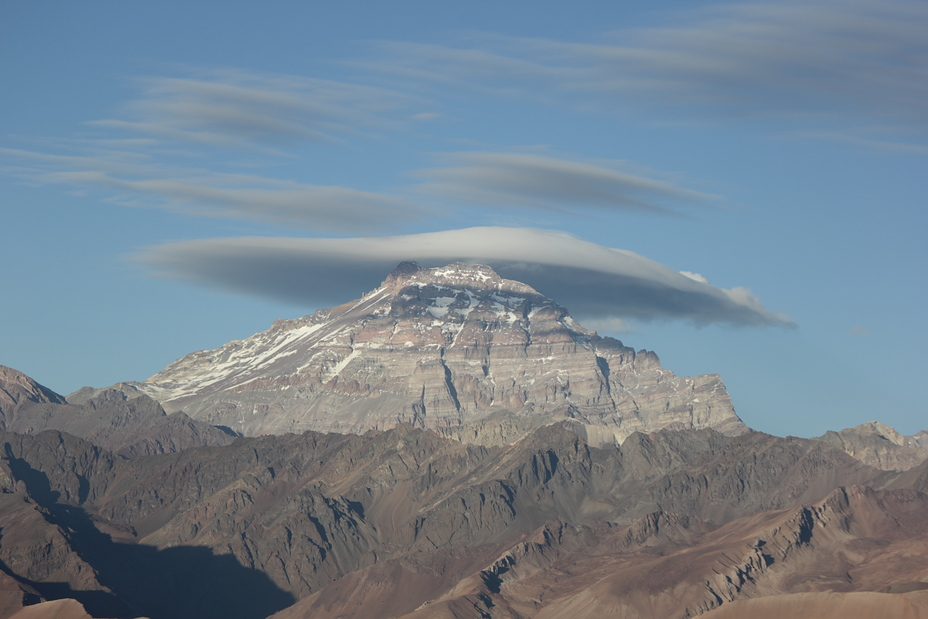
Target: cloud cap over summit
x=594, y=282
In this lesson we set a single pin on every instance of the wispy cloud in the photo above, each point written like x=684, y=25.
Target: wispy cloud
x=857, y=58
x=595, y=282
x=204, y=116
x=498, y=180
x=247, y=109
x=862, y=141
x=137, y=181
x=337, y=209
x=529, y=180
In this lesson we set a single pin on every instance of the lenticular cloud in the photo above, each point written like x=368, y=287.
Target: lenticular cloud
x=593, y=281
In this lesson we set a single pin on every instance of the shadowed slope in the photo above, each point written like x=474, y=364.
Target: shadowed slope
x=545, y=525
x=123, y=421
x=118, y=579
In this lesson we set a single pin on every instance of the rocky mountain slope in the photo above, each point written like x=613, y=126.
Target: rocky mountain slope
x=437, y=348
x=880, y=446
x=130, y=426
x=859, y=605
x=408, y=523
x=18, y=391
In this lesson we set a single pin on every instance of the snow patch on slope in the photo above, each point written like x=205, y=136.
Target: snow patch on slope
x=344, y=362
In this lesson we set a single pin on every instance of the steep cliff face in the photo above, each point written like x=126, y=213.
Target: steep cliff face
x=437, y=348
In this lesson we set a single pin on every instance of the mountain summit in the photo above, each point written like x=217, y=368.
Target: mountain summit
x=437, y=347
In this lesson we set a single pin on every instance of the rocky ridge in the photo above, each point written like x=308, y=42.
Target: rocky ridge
x=437, y=348
x=880, y=446
x=18, y=390
x=671, y=524
x=132, y=426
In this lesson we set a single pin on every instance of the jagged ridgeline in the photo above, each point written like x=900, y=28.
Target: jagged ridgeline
x=405, y=523
x=437, y=348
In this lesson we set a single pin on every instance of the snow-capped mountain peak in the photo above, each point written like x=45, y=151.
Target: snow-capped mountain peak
x=435, y=347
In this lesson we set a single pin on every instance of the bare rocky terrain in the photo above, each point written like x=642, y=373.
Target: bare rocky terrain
x=437, y=348
x=880, y=445
x=494, y=460
x=130, y=425
x=408, y=523
x=912, y=605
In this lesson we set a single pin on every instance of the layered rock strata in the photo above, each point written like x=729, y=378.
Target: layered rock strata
x=437, y=348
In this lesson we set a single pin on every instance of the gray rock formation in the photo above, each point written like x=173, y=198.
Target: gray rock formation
x=880, y=446
x=438, y=348
x=122, y=420
x=18, y=390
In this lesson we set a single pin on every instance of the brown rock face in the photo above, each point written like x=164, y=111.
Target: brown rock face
x=850, y=545
x=57, y=609
x=437, y=348
x=407, y=523
x=829, y=605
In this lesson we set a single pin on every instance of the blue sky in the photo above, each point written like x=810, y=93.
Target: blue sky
x=739, y=187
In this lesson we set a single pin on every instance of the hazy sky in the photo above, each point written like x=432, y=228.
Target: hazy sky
x=741, y=188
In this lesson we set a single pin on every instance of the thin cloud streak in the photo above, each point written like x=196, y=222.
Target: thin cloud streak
x=497, y=180
x=595, y=282
x=247, y=109
x=138, y=182
x=863, y=57
x=336, y=209
x=893, y=146
x=507, y=179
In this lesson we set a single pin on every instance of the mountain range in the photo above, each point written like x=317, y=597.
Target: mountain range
x=451, y=444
